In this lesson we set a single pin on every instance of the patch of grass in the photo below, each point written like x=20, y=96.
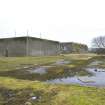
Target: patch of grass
x=16, y=91
x=16, y=67
x=12, y=63
x=100, y=59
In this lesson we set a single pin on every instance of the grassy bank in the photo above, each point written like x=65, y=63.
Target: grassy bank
x=20, y=91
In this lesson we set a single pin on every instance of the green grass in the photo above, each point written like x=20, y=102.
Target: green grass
x=11, y=63
x=14, y=91
x=50, y=94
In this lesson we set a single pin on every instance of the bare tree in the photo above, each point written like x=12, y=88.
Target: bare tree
x=98, y=45
x=99, y=42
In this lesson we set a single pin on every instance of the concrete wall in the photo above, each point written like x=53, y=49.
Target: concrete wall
x=70, y=47
x=28, y=46
x=31, y=46
x=12, y=47
x=2, y=47
x=42, y=47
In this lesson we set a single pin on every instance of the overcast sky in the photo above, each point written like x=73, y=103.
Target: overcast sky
x=62, y=20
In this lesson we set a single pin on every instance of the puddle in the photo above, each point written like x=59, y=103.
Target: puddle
x=58, y=73
x=97, y=79
x=61, y=62
x=44, y=69
x=39, y=70
x=95, y=63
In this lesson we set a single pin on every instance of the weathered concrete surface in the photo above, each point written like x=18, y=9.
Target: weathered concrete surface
x=12, y=47
x=31, y=46
x=28, y=46
x=71, y=47
x=43, y=47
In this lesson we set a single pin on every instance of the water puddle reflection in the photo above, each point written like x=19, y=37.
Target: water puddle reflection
x=40, y=70
x=95, y=63
x=61, y=62
x=97, y=79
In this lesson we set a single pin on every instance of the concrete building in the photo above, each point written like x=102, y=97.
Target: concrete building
x=71, y=47
x=28, y=46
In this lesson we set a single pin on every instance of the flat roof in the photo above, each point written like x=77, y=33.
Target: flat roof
x=29, y=37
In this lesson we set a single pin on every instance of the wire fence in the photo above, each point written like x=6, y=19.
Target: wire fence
x=20, y=34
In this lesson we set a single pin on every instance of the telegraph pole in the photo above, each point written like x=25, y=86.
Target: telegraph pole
x=15, y=33
x=40, y=43
x=40, y=35
x=27, y=42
